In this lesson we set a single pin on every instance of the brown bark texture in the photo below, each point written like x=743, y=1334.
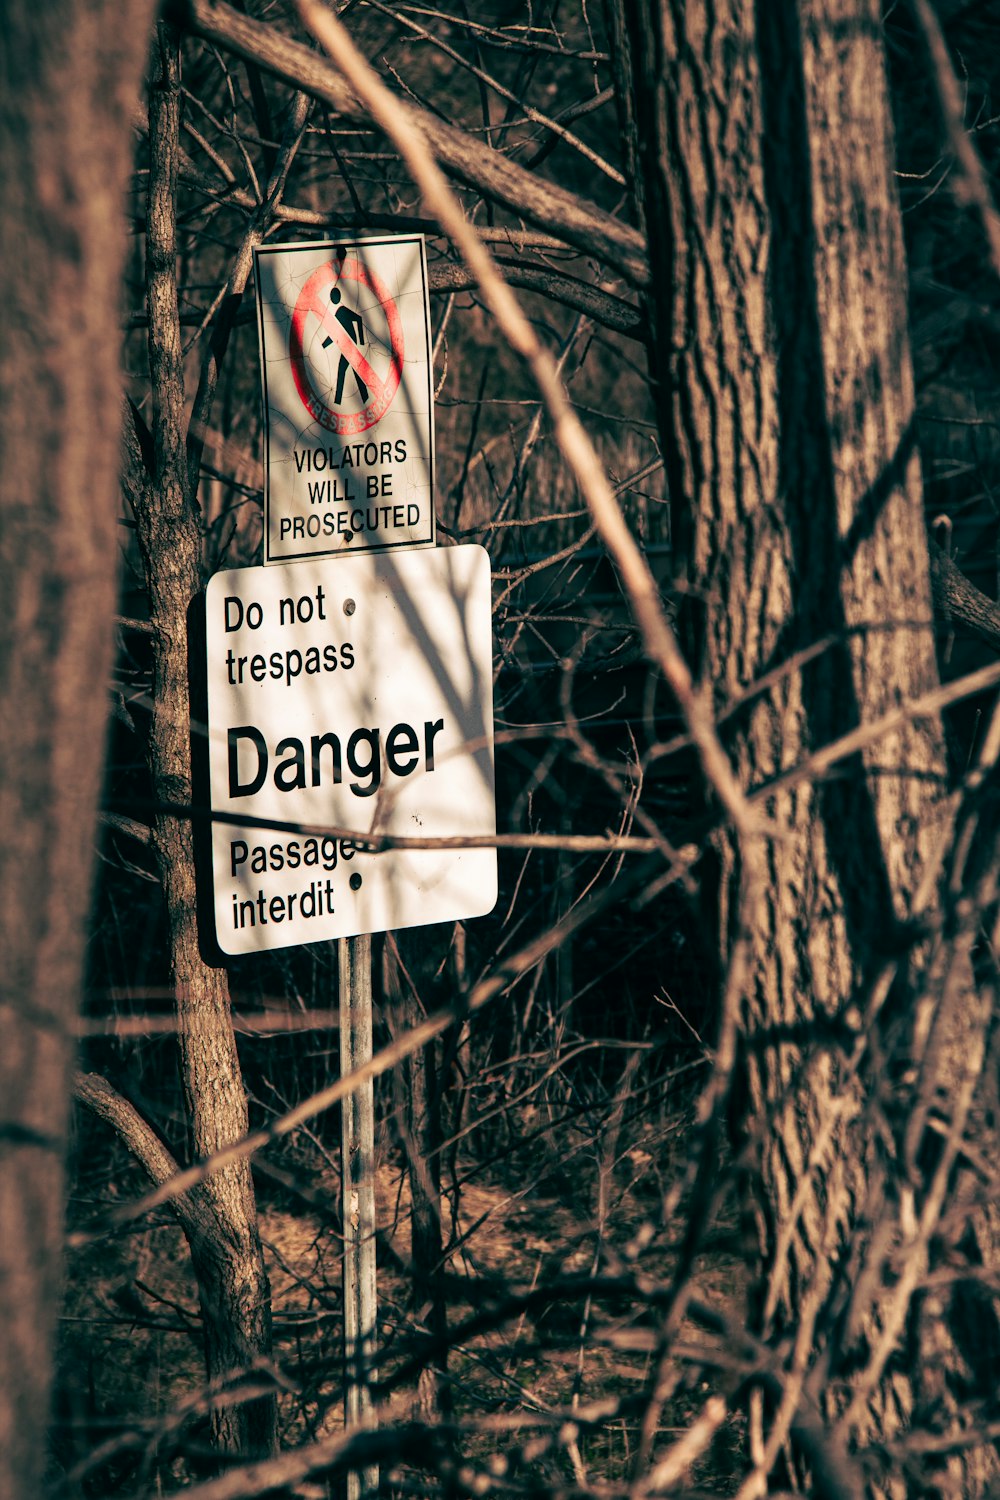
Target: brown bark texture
x=786, y=415
x=229, y=1264
x=68, y=80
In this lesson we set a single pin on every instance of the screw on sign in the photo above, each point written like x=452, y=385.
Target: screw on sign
x=327, y=342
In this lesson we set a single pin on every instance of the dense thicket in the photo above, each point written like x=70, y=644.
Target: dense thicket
x=692, y=1184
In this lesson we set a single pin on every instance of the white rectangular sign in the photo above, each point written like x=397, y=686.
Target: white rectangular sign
x=347, y=396
x=354, y=695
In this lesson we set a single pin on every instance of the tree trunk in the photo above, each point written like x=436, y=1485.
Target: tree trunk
x=786, y=415
x=68, y=80
x=229, y=1266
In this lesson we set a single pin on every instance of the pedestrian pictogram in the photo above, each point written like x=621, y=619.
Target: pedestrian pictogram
x=347, y=395
x=329, y=337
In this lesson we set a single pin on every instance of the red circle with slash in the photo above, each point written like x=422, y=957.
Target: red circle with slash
x=313, y=307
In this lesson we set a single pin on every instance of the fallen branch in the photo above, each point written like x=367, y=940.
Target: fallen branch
x=959, y=602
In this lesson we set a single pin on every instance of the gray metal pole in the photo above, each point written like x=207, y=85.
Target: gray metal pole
x=358, y=1196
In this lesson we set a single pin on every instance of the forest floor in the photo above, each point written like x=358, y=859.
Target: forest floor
x=131, y=1358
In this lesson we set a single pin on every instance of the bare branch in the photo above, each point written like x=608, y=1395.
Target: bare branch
x=605, y=308
x=644, y=596
x=674, y=1464
x=970, y=185
x=957, y=599
x=534, y=115
x=543, y=203
x=925, y=707
x=225, y=320
x=487, y=990
x=141, y=1140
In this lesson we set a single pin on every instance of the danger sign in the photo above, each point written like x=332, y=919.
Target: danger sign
x=347, y=397
x=347, y=700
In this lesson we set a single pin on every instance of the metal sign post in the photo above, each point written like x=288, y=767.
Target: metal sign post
x=358, y=1198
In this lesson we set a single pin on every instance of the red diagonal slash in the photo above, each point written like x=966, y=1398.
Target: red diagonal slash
x=313, y=301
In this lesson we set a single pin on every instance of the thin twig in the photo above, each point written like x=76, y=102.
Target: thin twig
x=969, y=185
x=407, y=134
x=927, y=706
x=536, y=116
x=545, y=204
x=239, y=275
x=487, y=990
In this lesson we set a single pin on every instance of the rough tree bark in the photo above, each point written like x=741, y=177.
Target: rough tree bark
x=786, y=412
x=229, y=1264
x=68, y=79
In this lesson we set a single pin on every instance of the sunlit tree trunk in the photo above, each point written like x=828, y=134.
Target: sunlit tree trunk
x=229, y=1264
x=68, y=80
x=786, y=412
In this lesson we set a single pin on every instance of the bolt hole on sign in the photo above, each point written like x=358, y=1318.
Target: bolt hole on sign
x=347, y=394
